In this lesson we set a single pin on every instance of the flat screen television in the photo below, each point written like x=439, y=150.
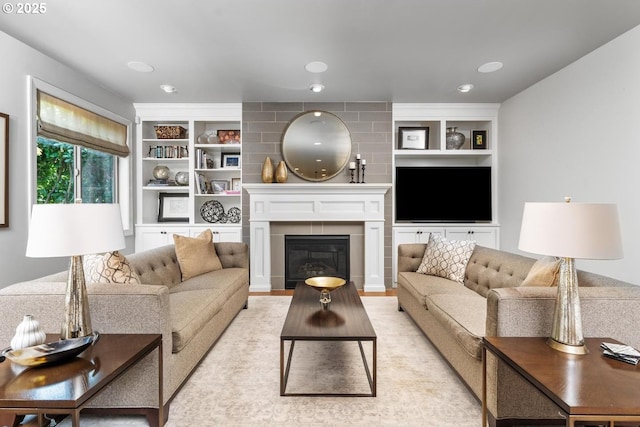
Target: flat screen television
x=443, y=194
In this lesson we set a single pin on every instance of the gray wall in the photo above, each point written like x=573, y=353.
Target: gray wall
x=263, y=124
x=19, y=61
x=575, y=134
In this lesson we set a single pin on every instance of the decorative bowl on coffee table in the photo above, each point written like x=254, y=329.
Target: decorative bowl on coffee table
x=325, y=284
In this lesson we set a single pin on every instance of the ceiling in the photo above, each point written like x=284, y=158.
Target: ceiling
x=376, y=50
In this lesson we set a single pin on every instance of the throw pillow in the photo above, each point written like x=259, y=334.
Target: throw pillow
x=446, y=258
x=110, y=267
x=544, y=272
x=196, y=255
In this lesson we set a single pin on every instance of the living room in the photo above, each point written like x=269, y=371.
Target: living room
x=569, y=134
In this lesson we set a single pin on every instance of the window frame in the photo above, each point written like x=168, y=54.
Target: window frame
x=124, y=165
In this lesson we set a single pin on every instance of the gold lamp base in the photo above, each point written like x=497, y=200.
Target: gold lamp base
x=567, y=348
x=77, y=322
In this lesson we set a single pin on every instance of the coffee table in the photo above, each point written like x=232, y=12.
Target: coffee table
x=303, y=323
x=66, y=388
x=587, y=387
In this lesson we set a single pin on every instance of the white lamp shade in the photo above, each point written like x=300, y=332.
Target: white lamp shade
x=63, y=230
x=571, y=230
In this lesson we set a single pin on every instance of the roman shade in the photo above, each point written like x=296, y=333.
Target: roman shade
x=66, y=122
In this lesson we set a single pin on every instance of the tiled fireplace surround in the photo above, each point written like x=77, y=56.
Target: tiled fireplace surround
x=371, y=131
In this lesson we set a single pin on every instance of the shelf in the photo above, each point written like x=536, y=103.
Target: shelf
x=166, y=188
x=166, y=141
x=442, y=153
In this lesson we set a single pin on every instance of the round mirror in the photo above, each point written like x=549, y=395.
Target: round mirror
x=316, y=145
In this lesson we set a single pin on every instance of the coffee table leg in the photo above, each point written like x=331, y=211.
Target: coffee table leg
x=284, y=372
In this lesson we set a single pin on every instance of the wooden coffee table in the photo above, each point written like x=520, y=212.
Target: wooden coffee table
x=587, y=387
x=303, y=323
x=66, y=388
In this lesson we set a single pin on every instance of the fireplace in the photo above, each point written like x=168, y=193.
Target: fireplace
x=315, y=255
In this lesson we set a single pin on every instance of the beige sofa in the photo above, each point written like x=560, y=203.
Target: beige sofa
x=455, y=318
x=189, y=314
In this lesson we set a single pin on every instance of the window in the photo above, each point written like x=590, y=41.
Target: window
x=81, y=152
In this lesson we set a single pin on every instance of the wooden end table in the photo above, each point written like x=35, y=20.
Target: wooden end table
x=66, y=388
x=307, y=322
x=588, y=387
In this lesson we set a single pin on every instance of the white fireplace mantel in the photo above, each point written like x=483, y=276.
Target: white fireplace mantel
x=316, y=202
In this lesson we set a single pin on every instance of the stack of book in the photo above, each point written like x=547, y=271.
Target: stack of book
x=622, y=352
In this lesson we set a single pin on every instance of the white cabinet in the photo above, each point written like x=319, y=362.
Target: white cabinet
x=487, y=236
x=199, y=142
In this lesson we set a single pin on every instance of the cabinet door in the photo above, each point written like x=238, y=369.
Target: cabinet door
x=221, y=234
x=482, y=236
x=153, y=237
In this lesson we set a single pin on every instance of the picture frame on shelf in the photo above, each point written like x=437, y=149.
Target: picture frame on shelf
x=4, y=170
x=219, y=186
x=229, y=136
x=413, y=138
x=231, y=160
x=479, y=139
x=236, y=184
x=173, y=207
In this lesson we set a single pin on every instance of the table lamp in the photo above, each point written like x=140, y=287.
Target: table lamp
x=568, y=231
x=74, y=230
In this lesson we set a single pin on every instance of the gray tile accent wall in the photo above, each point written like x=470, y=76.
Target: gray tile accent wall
x=370, y=125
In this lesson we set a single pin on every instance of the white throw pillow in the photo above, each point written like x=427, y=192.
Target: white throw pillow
x=446, y=258
x=110, y=267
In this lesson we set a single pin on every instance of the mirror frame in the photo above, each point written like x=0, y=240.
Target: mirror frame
x=297, y=120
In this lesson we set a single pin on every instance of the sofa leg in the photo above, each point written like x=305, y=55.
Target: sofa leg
x=246, y=305
x=400, y=307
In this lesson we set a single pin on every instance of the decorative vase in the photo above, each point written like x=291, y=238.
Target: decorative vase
x=182, y=178
x=161, y=172
x=281, y=172
x=267, y=171
x=28, y=333
x=455, y=140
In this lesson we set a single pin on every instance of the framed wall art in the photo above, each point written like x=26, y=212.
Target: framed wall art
x=173, y=207
x=479, y=140
x=413, y=138
x=4, y=170
x=230, y=160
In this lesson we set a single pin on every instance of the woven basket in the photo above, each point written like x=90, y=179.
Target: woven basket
x=170, y=132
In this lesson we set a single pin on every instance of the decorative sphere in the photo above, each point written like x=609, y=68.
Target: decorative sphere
x=161, y=172
x=182, y=178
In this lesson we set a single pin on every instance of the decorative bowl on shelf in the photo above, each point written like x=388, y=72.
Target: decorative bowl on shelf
x=325, y=284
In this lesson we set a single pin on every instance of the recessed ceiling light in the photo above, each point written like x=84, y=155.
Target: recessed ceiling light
x=490, y=67
x=168, y=88
x=316, y=67
x=140, y=66
x=316, y=87
x=465, y=88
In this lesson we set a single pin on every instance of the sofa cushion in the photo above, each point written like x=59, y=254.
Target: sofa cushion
x=196, y=255
x=190, y=312
x=421, y=285
x=446, y=258
x=229, y=280
x=109, y=267
x=464, y=316
x=544, y=272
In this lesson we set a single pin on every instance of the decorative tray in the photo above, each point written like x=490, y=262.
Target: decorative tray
x=325, y=282
x=50, y=353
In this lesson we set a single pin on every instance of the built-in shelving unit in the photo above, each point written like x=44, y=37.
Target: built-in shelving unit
x=470, y=120
x=208, y=153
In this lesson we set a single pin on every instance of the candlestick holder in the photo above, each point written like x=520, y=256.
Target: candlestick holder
x=358, y=169
x=363, y=166
x=352, y=181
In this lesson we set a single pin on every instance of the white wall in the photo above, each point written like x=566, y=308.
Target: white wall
x=19, y=61
x=576, y=134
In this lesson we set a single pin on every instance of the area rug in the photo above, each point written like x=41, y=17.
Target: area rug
x=237, y=384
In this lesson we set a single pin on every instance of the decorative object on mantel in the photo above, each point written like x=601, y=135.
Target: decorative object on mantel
x=28, y=333
x=267, y=171
x=363, y=163
x=281, y=172
x=73, y=230
x=455, y=140
x=358, y=166
x=352, y=169
x=570, y=230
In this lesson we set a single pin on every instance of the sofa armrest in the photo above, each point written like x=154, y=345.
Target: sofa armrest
x=233, y=254
x=612, y=312
x=410, y=256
